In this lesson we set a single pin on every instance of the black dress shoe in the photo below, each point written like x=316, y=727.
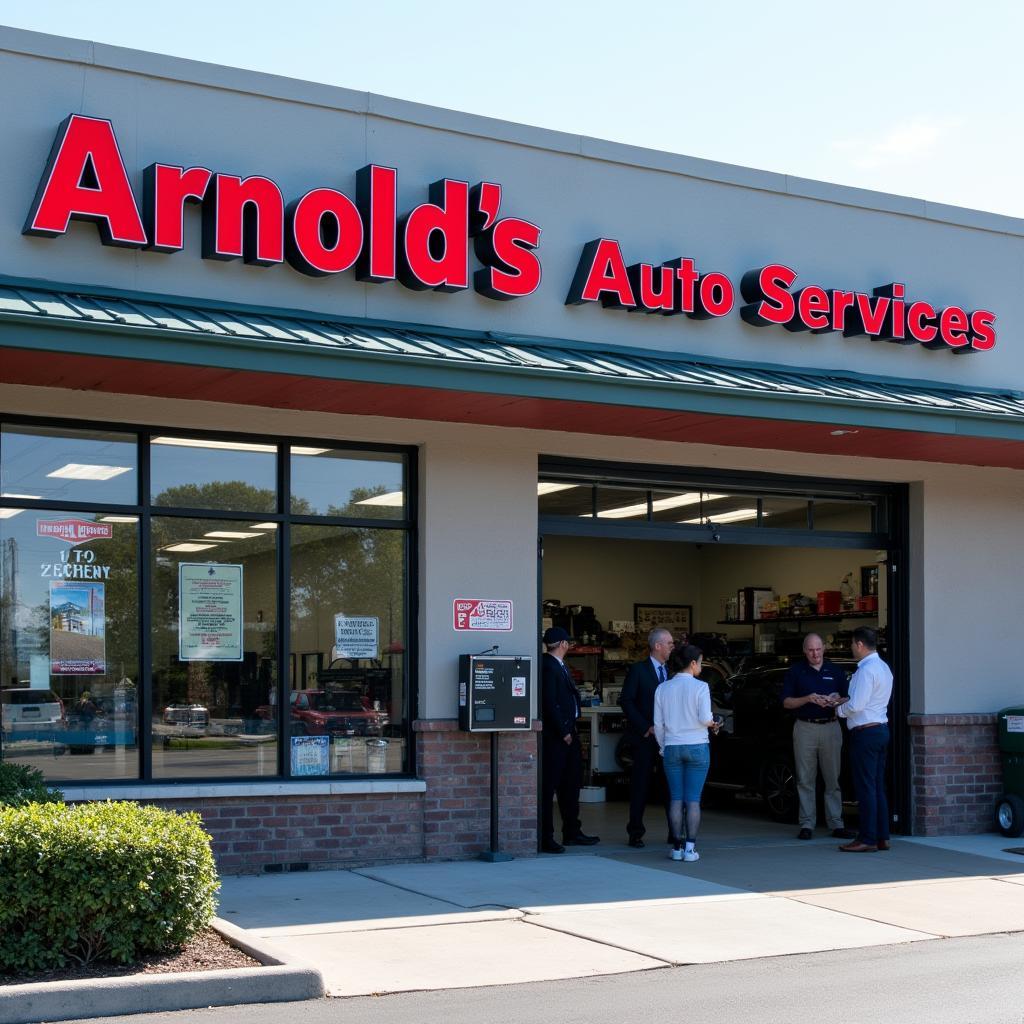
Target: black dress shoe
x=806, y=833
x=551, y=847
x=581, y=840
x=636, y=842
x=843, y=833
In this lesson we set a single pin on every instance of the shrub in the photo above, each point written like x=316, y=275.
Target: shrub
x=109, y=881
x=21, y=785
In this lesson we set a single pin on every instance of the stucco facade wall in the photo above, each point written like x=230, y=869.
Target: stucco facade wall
x=479, y=532
x=659, y=206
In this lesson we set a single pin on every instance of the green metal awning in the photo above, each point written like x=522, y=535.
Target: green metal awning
x=176, y=332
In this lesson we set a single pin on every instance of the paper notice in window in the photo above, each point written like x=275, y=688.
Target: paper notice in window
x=519, y=686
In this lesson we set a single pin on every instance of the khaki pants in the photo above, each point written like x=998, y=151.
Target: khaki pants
x=818, y=746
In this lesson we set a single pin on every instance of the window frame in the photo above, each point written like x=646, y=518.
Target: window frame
x=657, y=479
x=145, y=510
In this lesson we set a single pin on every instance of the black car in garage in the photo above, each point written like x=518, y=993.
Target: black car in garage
x=753, y=751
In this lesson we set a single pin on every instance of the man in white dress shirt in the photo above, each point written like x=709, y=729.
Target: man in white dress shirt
x=866, y=714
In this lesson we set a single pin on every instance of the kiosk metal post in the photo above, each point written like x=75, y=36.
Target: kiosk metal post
x=495, y=695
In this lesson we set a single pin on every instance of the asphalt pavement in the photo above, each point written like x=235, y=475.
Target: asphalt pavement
x=762, y=927
x=957, y=981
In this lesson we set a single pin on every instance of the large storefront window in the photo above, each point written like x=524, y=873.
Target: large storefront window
x=347, y=705
x=192, y=472
x=150, y=632
x=215, y=678
x=69, y=643
x=54, y=464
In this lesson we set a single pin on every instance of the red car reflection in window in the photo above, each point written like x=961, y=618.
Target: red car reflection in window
x=338, y=713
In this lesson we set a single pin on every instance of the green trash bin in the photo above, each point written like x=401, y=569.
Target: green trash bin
x=1010, y=809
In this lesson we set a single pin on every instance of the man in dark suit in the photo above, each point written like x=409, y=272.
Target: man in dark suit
x=562, y=770
x=637, y=702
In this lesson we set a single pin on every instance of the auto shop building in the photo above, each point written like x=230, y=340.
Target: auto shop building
x=294, y=378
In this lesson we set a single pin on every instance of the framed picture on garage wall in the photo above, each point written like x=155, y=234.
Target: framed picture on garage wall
x=676, y=617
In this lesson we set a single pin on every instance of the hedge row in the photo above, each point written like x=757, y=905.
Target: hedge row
x=110, y=881
x=20, y=785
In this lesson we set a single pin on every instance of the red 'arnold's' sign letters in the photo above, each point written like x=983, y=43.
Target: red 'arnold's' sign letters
x=325, y=232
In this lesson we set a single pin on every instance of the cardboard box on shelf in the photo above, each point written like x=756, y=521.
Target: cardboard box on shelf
x=748, y=601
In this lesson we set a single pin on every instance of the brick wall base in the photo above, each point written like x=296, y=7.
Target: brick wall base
x=457, y=805
x=956, y=773
x=450, y=821
x=285, y=832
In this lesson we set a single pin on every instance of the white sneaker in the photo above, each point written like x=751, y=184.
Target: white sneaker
x=690, y=856
x=676, y=854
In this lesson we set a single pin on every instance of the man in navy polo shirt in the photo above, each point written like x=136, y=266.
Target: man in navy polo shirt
x=809, y=689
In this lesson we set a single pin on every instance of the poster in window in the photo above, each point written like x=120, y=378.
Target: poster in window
x=209, y=612
x=356, y=636
x=311, y=755
x=77, y=628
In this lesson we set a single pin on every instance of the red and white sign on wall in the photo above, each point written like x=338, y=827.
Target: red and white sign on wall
x=471, y=614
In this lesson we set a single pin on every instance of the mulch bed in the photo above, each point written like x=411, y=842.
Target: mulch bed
x=206, y=952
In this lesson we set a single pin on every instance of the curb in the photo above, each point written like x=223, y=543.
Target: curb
x=282, y=979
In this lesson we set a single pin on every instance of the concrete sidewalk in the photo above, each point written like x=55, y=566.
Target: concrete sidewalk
x=610, y=909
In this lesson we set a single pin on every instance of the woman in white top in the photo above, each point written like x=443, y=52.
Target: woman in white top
x=682, y=717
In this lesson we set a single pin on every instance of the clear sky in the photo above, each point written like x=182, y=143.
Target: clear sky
x=921, y=99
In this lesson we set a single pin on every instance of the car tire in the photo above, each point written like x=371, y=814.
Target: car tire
x=778, y=789
x=1010, y=816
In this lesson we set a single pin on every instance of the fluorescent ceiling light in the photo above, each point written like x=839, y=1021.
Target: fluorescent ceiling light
x=234, y=446
x=737, y=515
x=189, y=546
x=393, y=499
x=658, y=505
x=202, y=442
x=82, y=471
x=264, y=526
x=27, y=497
x=10, y=513
x=232, y=534
x=546, y=488
x=119, y=519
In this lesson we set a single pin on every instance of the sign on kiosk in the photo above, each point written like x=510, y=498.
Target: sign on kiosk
x=471, y=614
